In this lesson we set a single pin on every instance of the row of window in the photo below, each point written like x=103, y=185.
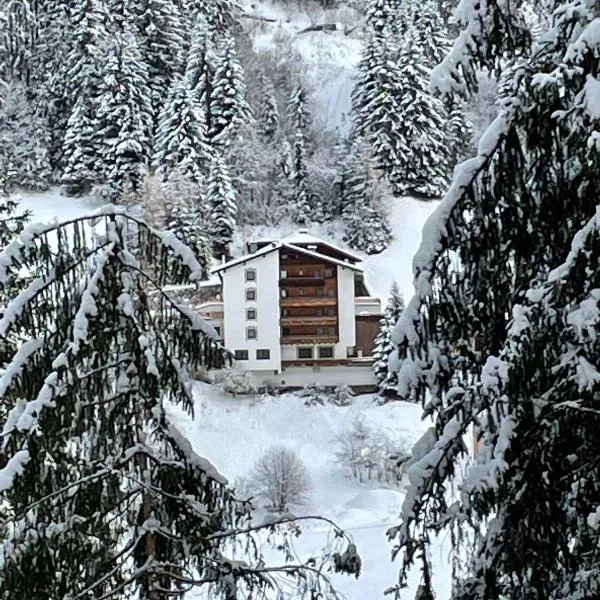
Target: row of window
x=306, y=352
x=317, y=292
x=310, y=292
x=318, y=274
x=319, y=312
x=251, y=274
x=261, y=354
x=319, y=331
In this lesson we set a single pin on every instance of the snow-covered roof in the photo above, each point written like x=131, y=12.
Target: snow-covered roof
x=284, y=244
x=303, y=238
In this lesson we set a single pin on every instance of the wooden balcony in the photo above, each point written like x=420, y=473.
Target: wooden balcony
x=308, y=320
x=308, y=339
x=297, y=301
x=304, y=280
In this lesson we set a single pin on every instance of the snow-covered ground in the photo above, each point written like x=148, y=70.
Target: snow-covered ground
x=233, y=433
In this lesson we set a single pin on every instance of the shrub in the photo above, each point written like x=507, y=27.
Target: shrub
x=371, y=455
x=235, y=380
x=280, y=477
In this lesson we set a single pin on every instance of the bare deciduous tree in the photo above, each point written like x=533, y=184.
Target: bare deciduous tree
x=281, y=478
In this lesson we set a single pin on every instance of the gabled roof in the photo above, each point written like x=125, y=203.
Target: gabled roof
x=276, y=246
x=303, y=238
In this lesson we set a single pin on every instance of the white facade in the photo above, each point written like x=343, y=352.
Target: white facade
x=346, y=318
x=251, y=327
x=239, y=320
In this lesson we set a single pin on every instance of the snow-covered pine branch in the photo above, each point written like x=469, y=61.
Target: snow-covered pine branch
x=93, y=472
x=506, y=222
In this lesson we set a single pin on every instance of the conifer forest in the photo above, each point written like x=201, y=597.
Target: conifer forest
x=147, y=146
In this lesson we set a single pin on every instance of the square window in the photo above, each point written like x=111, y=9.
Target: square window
x=250, y=275
x=263, y=354
x=285, y=331
x=331, y=331
x=325, y=351
x=319, y=312
x=241, y=355
x=328, y=272
x=331, y=292
x=250, y=294
x=320, y=331
x=251, y=314
x=306, y=352
x=251, y=333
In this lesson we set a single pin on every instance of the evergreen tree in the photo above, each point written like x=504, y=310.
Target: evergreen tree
x=421, y=164
x=459, y=134
x=200, y=70
x=187, y=214
x=180, y=140
x=77, y=85
x=11, y=224
x=221, y=198
x=387, y=379
x=228, y=106
x=268, y=116
x=377, y=107
x=381, y=15
x=101, y=493
x=220, y=15
x=124, y=115
x=429, y=31
x=23, y=141
x=363, y=212
x=303, y=207
x=160, y=35
x=518, y=217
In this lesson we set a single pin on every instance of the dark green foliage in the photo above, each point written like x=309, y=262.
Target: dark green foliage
x=387, y=378
x=481, y=351
x=363, y=212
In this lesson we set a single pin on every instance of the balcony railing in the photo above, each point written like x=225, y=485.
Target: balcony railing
x=308, y=339
x=306, y=320
x=295, y=301
x=291, y=280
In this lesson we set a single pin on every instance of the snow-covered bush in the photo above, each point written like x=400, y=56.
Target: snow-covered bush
x=342, y=395
x=235, y=380
x=314, y=394
x=370, y=455
x=280, y=478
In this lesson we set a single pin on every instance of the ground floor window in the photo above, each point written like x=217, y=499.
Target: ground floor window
x=325, y=351
x=241, y=355
x=306, y=352
x=263, y=354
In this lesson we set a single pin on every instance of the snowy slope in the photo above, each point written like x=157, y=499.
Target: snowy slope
x=233, y=433
x=329, y=58
x=48, y=206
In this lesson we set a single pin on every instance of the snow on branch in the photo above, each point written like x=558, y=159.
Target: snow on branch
x=434, y=230
x=15, y=466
